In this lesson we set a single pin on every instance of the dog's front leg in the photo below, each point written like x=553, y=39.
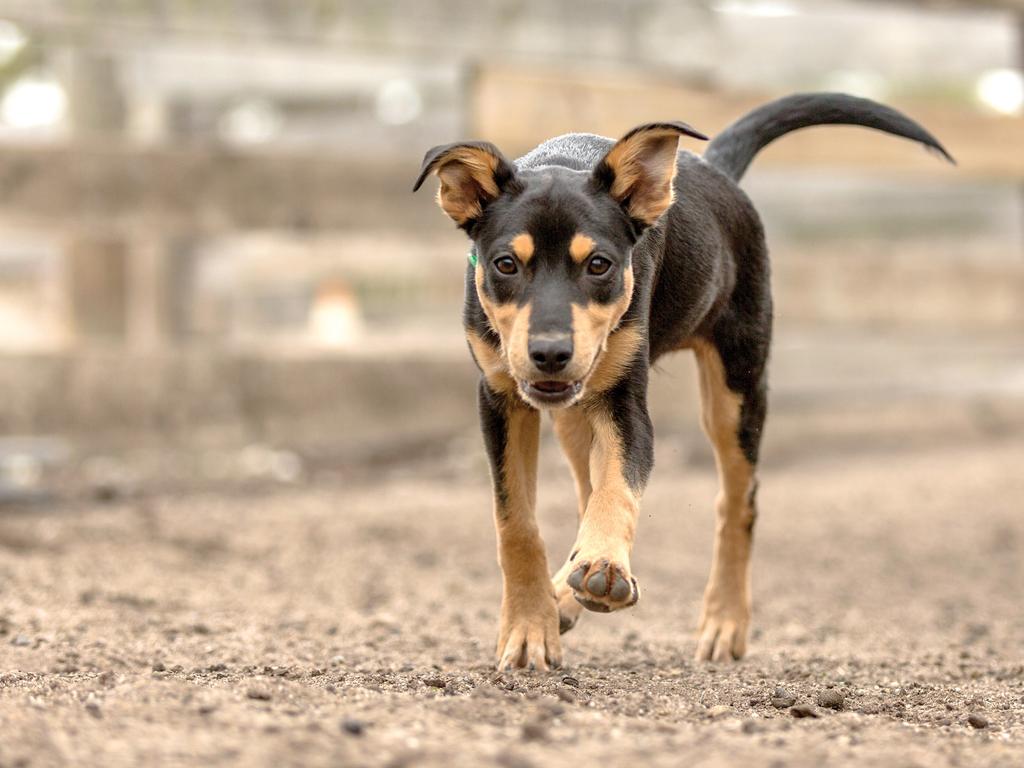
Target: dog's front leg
x=620, y=461
x=528, y=632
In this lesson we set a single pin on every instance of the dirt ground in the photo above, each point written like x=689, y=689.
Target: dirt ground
x=353, y=624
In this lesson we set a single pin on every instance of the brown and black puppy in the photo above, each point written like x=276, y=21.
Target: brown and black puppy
x=590, y=259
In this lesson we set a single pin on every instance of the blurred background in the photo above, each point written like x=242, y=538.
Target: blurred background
x=212, y=270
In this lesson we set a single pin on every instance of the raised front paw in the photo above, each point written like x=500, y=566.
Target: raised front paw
x=602, y=584
x=724, y=624
x=528, y=636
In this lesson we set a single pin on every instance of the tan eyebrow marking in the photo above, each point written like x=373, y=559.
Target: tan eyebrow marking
x=522, y=246
x=581, y=247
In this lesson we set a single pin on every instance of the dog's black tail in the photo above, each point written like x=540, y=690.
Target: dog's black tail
x=734, y=148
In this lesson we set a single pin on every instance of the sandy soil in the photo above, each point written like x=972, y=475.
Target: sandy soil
x=353, y=625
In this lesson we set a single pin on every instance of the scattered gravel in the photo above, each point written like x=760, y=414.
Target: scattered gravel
x=977, y=721
x=567, y=695
x=804, y=710
x=169, y=613
x=831, y=699
x=783, y=699
x=535, y=730
x=353, y=727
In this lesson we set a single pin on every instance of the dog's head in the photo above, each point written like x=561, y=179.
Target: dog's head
x=553, y=246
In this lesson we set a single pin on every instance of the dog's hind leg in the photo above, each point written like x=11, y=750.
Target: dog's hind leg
x=528, y=630
x=732, y=414
x=576, y=437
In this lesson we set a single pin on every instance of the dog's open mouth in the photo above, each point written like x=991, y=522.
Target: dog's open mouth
x=552, y=392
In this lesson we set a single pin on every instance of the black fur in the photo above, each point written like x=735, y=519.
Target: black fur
x=734, y=148
x=627, y=402
x=494, y=425
x=701, y=272
x=700, y=276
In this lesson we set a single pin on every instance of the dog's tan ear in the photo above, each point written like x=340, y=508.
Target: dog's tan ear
x=638, y=171
x=472, y=174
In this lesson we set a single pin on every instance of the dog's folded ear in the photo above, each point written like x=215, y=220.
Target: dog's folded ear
x=472, y=174
x=638, y=171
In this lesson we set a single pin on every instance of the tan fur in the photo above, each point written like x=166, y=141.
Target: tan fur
x=467, y=180
x=592, y=328
x=522, y=247
x=528, y=631
x=580, y=247
x=645, y=166
x=572, y=428
x=492, y=363
x=608, y=526
x=602, y=351
x=501, y=316
x=576, y=438
x=519, y=342
x=512, y=324
x=613, y=506
x=725, y=617
x=619, y=352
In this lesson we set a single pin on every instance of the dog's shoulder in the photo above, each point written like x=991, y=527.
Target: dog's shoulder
x=705, y=197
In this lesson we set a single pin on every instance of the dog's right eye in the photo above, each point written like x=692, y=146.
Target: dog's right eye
x=506, y=265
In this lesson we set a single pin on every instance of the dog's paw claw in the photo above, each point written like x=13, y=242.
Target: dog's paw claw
x=530, y=641
x=565, y=623
x=724, y=624
x=722, y=640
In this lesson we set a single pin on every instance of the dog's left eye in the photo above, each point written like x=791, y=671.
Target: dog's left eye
x=598, y=265
x=506, y=265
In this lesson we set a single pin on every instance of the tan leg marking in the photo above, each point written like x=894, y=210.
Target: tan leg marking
x=492, y=363
x=600, y=576
x=725, y=617
x=620, y=350
x=528, y=630
x=576, y=438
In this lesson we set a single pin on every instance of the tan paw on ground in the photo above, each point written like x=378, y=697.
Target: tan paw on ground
x=530, y=641
x=722, y=638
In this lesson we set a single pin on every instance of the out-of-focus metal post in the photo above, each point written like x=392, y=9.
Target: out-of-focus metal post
x=147, y=321
x=97, y=268
x=1020, y=68
x=96, y=279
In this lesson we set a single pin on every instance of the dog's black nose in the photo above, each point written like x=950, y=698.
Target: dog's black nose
x=551, y=354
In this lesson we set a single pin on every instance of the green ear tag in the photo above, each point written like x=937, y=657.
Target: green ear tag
x=472, y=256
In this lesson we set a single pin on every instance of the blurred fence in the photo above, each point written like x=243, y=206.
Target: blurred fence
x=206, y=204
